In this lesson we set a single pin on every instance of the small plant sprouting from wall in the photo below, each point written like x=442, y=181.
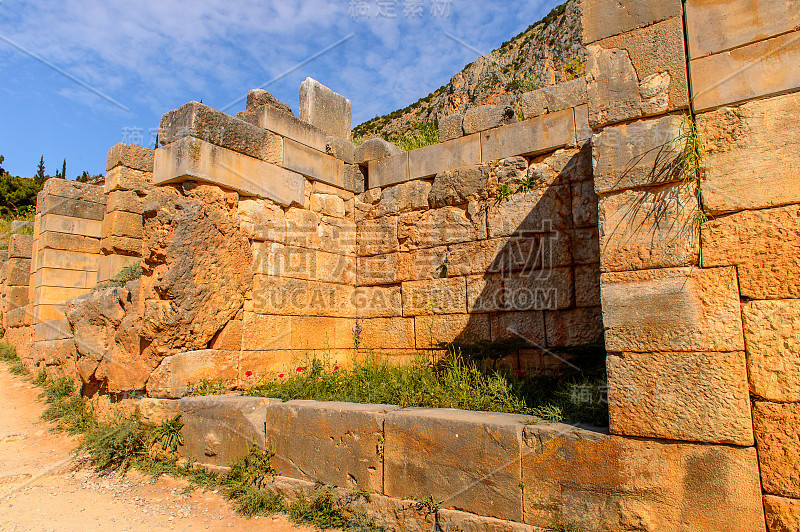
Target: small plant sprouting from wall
x=168, y=434
x=420, y=135
x=131, y=272
x=692, y=157
x=357, y=330
x=207, y=387
x=526, y=84
x=574, y=68
x=444, y=267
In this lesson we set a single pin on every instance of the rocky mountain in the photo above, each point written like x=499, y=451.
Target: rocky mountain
x=547, y=52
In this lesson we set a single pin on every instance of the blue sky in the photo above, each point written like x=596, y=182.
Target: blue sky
x=134, y=61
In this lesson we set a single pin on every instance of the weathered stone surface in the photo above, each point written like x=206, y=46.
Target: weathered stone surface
x=229, y=338
x=52, y=352
x=547, y=288
x=584, y=204
x=387, y=333
x=341, y=149
x=772, y=337
x=604, y=18
x=673, y=309
x=328, y=205
x=312, y=163
x=758, y=69
x=130, y=155
x=122, y=245
x=783, y=514
x=377, y=236
x=451, y=127
x=763, y=244
x=539, y=211
x=680, y=396
x=68, y=242
x=434, y=227
x=121, y=223
x=192, y=159
x=535, y=135
x=736, y=23
x=354, y=178
x=325, y=109
x=470, y=460
x=66, y=224
x=403, y=197
x=431, y=160
x=258, y=97
x=742, y=144
x=377, y=301
x=384, y=269
x=262, y=220
x=458, y=186
x=435, y=296
x=553, y=98
x=486, y=117
x=322, y=332
x=124, y=200
x=587, y=285
x=777, y=428
x=612, y=86
x=439, y=330
x=217, y=430
x=15, y=297
x=124, y=178
x=528, y=326
x=303, y=433
x=67, y=260
x=649, y=228
x=374, y=149
x=198, y=266
x=65, y=278
x=173, y=376
x=21, y=317
x=645, y=152
x=285, y=125
x=202, y=122
x=602, y=482
x=574, y=327
x=388, y=170
x=20, y=246
x=75, y=208
x=74, y=190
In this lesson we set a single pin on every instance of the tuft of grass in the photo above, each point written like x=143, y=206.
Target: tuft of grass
x=503, y=192
x=322, y=510
x=66, y=406
x=207, y=386
x=115, y=444
x=692, y=159
x=8, y=354
x=131, y=272
x=168, y=434
x=419, y=136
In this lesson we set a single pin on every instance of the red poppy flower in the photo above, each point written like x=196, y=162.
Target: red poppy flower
x=248, y=373
x=302, y=368
x=281, y=375
x=335, y=368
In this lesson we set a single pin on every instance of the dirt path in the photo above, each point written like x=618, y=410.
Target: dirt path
x=40, y=490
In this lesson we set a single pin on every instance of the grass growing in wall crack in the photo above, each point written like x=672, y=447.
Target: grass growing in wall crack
x=692, y=158
x=131, y=272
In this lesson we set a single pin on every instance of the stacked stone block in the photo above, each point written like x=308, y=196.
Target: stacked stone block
x=66, y=253
x=17, y=311
x=129, y=177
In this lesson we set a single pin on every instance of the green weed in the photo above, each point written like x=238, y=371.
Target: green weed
x=168, y=434
x=207, y=387
x=131, y=272
x=419, y=136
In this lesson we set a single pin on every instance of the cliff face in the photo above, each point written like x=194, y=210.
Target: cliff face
x=548, y=52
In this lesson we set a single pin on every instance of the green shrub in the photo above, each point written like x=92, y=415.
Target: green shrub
x=418, y=136
x=131, y=272
x=115, y=444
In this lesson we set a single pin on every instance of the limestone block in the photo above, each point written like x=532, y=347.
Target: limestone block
x=323, y=188
x=191, y=159
x=312, y=163
x=604, y=18
x=124, y=178
x=484, y=293
x=218, y=430
x=328, y=111
x=66, y=188
x=377, y=236
x=286, y=125
x=124, y=200
x=229, y=338
x=641, y=153
x=538, y=211
x=403, y=197
x=585, y=245
x=640, y=73
x=763, y=244
x=742, y=145
x=772, y=337
x=314, y=332
x=536, y=135
x=71, y=207
x=548, y=288
x=52, y=330
x=125, y=224
x=122, y=245
x=74, y=226
x=584, y=204
x=111, y=265
x=338, y=235
x=354, y=178
x=602, y=482
x=302, y=432
x=55, y=295
x=390, y=268
x=378, y=301
x=574, y=327
x=341, y=149
x=18, y=317
x=447, y=225
x=553, y=98
x=759, y=69
x=431, y=160
x=451, y=127
x=439, y=330
x=301, y=263
x=171, y=379
x=583, y=131
x=680, y=396
x=67, y=260
x=649, y=228
x=18, y=272
x=447, y=454
x=528, y=326
x=130, y=155
x=777, y=428
x=15, y=297
x=47, y=313
x=388, y=170
x=387, y=333
x=262, y=220
x=587, y=285
x=455, y=187
x=265, y=333
x=327, y=204
x=435, y=296
x=374, y=149
x=65, y=278
x=674, y=309
x=53, y=352
x=783, y=514
x=215, y=127
x=486, y=117
x=259, y=97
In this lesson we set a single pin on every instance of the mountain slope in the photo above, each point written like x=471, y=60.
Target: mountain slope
x=548, y=52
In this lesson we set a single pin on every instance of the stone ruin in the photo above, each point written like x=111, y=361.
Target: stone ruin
x=266, y=237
